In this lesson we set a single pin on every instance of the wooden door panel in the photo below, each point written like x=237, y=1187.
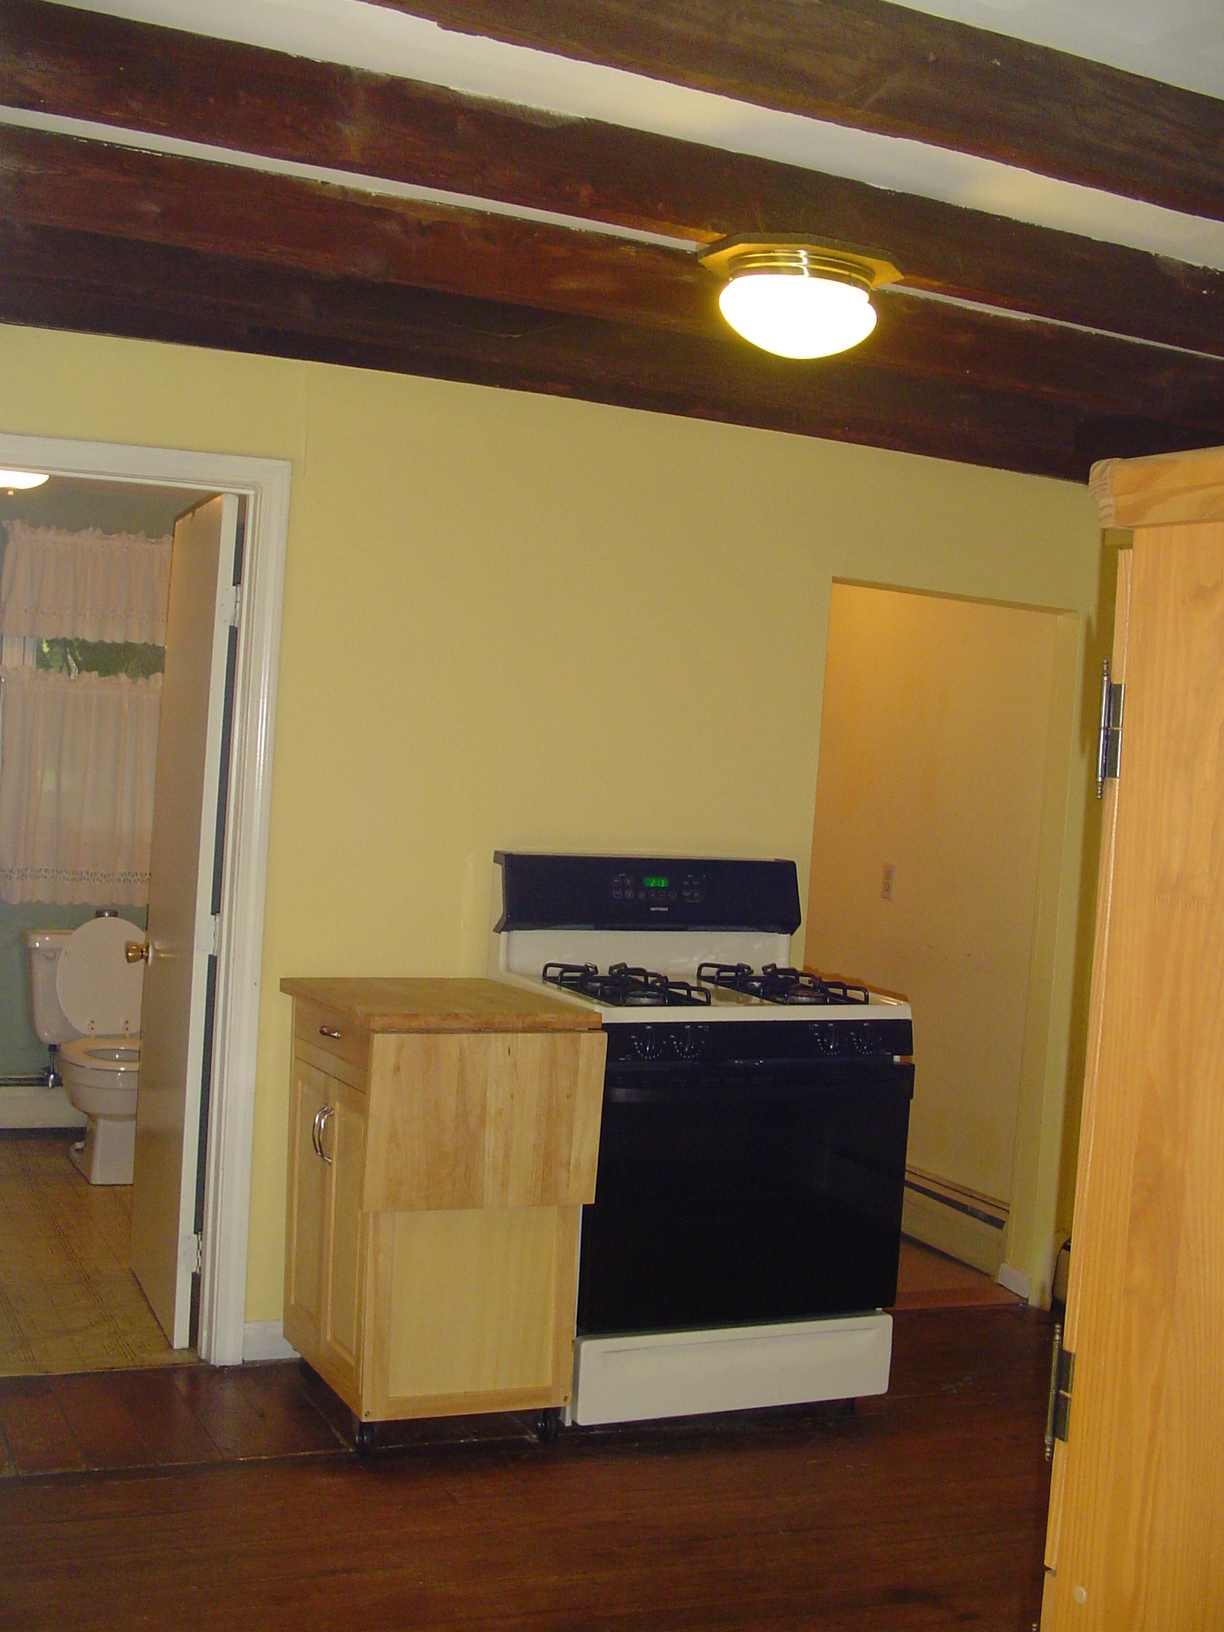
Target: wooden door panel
x=1139, y=1536
x=304, y=1235
x=344, y=1142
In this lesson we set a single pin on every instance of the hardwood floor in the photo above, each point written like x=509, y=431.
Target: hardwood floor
x=204, y=1499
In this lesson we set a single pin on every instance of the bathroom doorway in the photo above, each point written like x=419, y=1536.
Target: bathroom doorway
x=82, y=1234
x=70, y=1298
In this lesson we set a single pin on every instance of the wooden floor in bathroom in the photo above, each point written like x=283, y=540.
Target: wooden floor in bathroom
x=68, y=1299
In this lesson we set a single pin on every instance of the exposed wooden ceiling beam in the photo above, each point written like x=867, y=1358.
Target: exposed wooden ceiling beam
x=57, y=279
x=277, y=221
x=84, y=65
x=885, y=68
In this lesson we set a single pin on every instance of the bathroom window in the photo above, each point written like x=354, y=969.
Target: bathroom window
x=83, y=619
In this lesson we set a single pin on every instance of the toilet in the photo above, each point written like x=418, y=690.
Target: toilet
x=85, y=996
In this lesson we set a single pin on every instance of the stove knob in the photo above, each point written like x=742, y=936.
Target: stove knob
x=646, y=1044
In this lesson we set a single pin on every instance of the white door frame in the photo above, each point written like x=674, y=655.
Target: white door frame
x=231, y=1115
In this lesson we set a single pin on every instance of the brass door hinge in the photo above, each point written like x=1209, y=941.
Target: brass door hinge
x=1062, y=1377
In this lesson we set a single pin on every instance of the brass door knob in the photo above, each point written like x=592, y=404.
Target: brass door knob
x=137, y=951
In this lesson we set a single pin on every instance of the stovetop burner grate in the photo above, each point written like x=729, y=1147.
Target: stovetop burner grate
x=625, y=987
x=774, y=984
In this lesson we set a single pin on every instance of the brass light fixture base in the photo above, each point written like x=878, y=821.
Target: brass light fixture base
x=762, y=252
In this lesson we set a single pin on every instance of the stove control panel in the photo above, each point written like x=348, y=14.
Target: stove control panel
x=647, y=892
x=756, y=1041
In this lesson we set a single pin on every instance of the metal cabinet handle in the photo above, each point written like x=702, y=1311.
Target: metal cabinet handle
x=324, y=1117
x=329, y=1031
x=315, y=1131
x=137, y=951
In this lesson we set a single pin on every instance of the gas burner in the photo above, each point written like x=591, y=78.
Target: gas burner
x=779, y=985
x=623, y=987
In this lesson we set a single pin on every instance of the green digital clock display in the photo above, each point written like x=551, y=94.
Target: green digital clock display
x=654, y=883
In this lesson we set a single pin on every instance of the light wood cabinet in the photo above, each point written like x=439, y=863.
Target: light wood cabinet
x=443, y=1137
x=1137, y=1498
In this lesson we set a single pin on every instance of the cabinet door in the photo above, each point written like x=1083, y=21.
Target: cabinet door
x=305, y=1220
x=343, y=1145
x=1137, y=1508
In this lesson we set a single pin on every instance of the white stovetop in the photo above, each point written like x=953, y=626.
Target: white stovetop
x=519, y=956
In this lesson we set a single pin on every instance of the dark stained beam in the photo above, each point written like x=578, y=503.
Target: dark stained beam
x=61, y=61
x=53, y=180
x=49, y=181
x=88, y=282
x=885, y=68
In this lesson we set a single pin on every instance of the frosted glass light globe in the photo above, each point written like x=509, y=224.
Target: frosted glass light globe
x=14, y=479
x=797, y=316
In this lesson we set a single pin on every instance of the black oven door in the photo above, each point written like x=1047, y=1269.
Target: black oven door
x=734, y=1196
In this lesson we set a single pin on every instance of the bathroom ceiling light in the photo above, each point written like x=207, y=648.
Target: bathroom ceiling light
x=796, y=298
x=14, y=479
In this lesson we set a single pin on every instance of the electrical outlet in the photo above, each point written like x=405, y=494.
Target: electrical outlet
x=886, y=882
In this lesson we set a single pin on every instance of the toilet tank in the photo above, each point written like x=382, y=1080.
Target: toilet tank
x=43, y=948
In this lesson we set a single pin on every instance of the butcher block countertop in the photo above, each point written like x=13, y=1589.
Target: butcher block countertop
x=382, y=1004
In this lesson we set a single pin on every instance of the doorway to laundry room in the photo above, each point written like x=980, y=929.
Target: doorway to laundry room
x=84, y=591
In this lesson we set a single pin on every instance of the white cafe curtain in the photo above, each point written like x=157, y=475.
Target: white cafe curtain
x=87, y=585
x=77, y=763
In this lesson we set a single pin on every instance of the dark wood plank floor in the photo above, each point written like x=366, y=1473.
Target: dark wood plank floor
x=200, y=1499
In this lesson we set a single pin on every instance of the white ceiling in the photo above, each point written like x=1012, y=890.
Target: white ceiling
x=1187, y=37
x=1178, y=41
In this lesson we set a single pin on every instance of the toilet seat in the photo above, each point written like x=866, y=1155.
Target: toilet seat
x=98, y=989
x=109, y=1064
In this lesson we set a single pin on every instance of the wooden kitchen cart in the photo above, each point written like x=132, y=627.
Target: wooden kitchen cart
x=443, y=1135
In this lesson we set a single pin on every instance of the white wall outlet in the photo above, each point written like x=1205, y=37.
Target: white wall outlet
x=886, y=882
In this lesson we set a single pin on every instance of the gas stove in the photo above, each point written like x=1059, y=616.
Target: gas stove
x=742, y=1246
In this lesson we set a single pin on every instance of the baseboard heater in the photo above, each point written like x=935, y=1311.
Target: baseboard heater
x=960, y=1201
x=680, y=1374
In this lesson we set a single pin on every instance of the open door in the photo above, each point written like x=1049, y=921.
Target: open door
x=1136, y=1532
x=180, y=947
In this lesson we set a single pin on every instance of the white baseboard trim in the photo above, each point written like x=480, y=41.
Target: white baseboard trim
x=1015, y=1280
x=674, y=1374
x=33, y=1106
x=265, y=1340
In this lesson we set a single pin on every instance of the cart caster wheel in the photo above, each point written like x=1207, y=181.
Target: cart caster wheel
x=363, y=1437
x=547, y=1423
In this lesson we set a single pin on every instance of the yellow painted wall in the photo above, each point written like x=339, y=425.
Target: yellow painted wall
x=932, y=759
x=514, y=620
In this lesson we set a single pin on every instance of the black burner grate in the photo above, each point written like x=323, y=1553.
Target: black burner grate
x=774, y=984
x=625, y=987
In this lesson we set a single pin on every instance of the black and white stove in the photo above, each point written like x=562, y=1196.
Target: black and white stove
x=742, y=1246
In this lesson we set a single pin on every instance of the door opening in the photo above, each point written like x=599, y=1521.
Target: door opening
x=232, y=847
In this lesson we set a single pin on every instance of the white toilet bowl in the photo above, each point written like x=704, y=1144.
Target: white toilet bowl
x=100, y=1075
x=85, y=998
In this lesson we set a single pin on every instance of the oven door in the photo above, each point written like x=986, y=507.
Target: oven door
x=745, y=1195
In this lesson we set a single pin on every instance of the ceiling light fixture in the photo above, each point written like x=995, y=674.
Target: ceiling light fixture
x=796, y=298
x=14, y=479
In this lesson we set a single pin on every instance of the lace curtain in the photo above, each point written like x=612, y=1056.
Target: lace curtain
x=77, y=761
x=78, y=755
x=88, y=585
